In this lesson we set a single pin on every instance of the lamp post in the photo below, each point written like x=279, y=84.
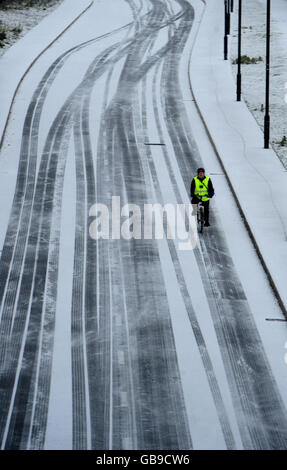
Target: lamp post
x=225, y=30
x=228, y=16
x=238, y=90
x=267, y=116
x=228, y=9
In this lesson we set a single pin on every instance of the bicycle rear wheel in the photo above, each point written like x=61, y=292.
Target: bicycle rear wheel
x=201, y=218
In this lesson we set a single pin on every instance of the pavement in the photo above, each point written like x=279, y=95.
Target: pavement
x=255, y=175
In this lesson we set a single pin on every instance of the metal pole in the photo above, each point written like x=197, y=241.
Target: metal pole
x=225, y=31
x=267, y=116
x=239, y=51
x=228, y=16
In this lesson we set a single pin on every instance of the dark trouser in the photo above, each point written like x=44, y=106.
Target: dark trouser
x=195, y=200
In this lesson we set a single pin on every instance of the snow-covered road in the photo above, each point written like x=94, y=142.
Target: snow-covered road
x=116, y=343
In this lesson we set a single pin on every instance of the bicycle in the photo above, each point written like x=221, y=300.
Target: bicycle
x=200, y=216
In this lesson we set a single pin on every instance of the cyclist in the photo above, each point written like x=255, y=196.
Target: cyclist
x=201, y=189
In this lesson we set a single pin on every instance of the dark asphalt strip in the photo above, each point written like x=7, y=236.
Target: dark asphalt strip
x=77, y=321
x=42, y=380
x=101, y=367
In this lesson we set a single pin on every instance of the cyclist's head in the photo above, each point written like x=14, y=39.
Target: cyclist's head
x=200, y=170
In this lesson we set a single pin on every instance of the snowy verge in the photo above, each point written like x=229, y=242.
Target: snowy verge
x=256, y=176
x=18, y=17
x=253, y=75
x=17, y=61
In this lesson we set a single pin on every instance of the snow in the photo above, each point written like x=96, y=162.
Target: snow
x=256, y=174
x=245, y=259
x=199, y=395
x=253, y=75
x=59, y=433
x=239, y=142
x=17, y=18
x=20, y=57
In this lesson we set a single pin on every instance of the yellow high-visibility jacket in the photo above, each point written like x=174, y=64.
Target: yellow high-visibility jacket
x=201, y=188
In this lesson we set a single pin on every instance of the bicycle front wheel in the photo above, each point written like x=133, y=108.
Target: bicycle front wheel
x=201, y=219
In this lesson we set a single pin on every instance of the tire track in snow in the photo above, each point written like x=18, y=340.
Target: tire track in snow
x=100, y=437
x=11, y=348
x=261, y=412
x=102, y=351
x=151, y=429
x=31, y=293
x=210, y=373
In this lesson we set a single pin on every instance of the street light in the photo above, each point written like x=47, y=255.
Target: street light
x=239, y=52
x=228, y=16
x=228, y=8
x=267, y=116
x=225, y=30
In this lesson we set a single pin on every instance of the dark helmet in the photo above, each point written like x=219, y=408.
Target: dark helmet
x=200, y=169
